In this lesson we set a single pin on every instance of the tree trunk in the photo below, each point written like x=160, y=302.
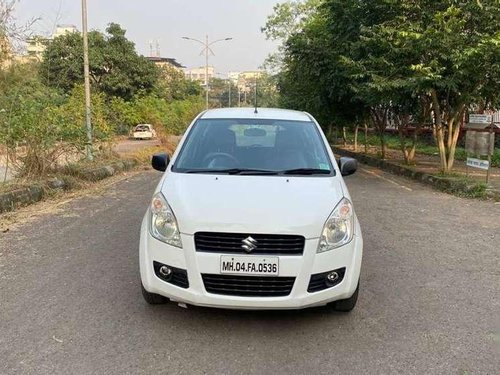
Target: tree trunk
x=329, y=131
x=402, y=123
x=455, y=125
x=379, y=116
x=356, y=138
x=366, y=138
x=411, y=153
x=383, y=146
x=6, y=165
x=402, y=138
x=344, y=136
x=438, y=131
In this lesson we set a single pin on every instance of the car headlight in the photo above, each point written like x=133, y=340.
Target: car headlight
x=339, y=228
x=163, y=222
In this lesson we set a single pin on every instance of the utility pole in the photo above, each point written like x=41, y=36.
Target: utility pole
x=255, y=93
x=230, y=84
x=88, y=110
x=207, y=50
x=206, y=71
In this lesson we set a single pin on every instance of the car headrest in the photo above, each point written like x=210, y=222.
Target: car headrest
x=287, y=139
x=222, y=137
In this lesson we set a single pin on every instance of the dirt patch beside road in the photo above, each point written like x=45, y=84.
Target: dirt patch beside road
x=126, y=146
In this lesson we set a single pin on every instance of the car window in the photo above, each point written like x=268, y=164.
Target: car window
x=268, y=145
x=254, y=135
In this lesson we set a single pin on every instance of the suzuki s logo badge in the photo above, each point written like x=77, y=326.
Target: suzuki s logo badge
x=249, y=244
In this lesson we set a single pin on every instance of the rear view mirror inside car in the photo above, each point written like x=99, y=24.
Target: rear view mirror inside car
x=255, y=132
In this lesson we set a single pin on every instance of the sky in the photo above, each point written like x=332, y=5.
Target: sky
x=167, y=21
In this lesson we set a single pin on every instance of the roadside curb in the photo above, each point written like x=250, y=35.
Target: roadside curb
x=28, y=195
x=97, y=174
x=446, y=184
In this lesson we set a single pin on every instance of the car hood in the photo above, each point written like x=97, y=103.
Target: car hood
x=251, y=204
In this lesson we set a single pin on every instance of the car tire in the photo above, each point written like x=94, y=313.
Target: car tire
x=153, y=298
x=346, y=305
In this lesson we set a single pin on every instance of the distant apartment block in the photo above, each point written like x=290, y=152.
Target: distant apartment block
x=165, y=61
x=198, y=74
x=233, y=77
x=246, y=80
x=63, y=30
x=37, y=45
x=8, y=54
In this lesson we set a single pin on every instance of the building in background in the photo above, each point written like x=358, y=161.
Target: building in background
x=246, y=80
x=63, y=30
x=36, y=46
x=8, y=55
x=198, y=74
x=162, y=62
x=233, y=77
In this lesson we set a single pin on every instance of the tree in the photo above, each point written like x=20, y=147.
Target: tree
x=288, y=18
x=25, y=116
x=396, y=59
x=11, y=33
x=319, y=75
x=115, y=67
x=218, y=92
x=47, y=124
x=267, y=91
x=173, y=84
x=450, y=52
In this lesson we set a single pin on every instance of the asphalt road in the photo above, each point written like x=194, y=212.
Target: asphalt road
x=70, y=301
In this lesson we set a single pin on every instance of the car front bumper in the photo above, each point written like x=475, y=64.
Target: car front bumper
x=300, y=267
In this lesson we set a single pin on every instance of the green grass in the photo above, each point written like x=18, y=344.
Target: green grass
x=422, y=147
x=465, y=187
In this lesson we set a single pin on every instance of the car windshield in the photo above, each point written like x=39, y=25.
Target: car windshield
x=142, y=128
x=254, y=146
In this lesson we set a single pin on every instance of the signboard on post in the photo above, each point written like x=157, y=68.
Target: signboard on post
x=475, y=118
x=479, y=143
x=478, y=163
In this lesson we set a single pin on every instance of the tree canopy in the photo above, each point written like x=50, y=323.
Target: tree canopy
x=115, y=67
x=381, y=58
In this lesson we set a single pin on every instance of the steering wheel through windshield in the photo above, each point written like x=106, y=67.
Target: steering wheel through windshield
x=213, y=158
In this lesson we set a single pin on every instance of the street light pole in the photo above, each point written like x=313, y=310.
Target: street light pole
x=86, y=72
x=207, y=50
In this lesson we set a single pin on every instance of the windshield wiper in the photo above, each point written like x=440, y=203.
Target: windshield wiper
x=306, y=171
x=240, y=171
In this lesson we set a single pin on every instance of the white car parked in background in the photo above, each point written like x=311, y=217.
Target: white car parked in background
x=144, y=131
x=252, y=213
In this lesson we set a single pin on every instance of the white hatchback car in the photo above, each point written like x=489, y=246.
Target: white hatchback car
x=144, y=131
x=252, y=212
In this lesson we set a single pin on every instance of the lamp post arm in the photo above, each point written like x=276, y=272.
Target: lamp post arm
x=219, y=40
x=194, y=40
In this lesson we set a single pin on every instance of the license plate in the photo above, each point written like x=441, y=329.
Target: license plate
x=249, y=265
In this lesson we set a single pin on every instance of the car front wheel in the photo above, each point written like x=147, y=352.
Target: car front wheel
x=346, y=305
x=153, y=298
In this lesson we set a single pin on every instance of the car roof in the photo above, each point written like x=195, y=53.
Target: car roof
x=262, y=113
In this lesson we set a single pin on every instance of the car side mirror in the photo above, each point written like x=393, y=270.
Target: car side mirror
x=160, y=161
x=348, y=166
